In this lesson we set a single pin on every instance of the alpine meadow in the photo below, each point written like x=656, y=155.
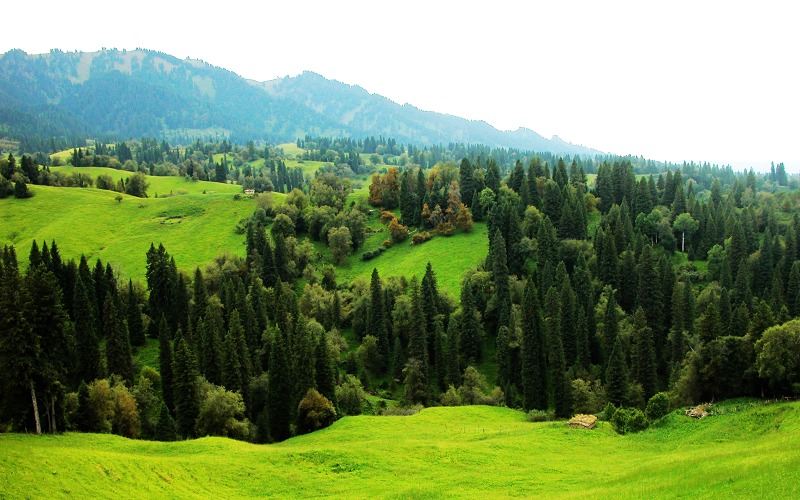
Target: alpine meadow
x=217, y=287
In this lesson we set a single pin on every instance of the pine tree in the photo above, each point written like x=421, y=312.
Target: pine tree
x=47, y=320
x=617, y=375
x=304, y=363
x=211, y=344
x=709, y=328
x=165, y=364
x=644, y=365
x=502, y=290
x=325, y=371
x=199, y=297
x=231, y=357
x=534, y=375
x=187, y=406
x=90, y=366
x=134, y=317
x=118, y=344
x=377, y=319
x=166, y=429
x=793, y=289
x=279, y=390
x=470, y=331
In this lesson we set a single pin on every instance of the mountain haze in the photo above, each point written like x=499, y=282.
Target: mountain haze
x=129, y=94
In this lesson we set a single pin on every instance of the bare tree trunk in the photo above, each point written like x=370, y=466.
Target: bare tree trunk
x=35, y=409
x=53, y=414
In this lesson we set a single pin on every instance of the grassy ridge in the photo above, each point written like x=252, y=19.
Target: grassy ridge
x=469, y=451
x=450, y=257
x=194, y=228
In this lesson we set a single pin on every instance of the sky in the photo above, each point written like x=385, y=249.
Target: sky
x=678, y=81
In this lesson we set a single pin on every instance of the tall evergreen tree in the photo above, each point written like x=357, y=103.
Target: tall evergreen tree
x=279, y=392
x=502, y=290
x=89, y=364
x=187, y=407
x=165, y=364
x=470, y=333
x=211, y=344
x=643, y=358
x=325, y=372
x=617, y=375
x=118, y=344
x=377, y=319
x=534, y=374
x=134, y=318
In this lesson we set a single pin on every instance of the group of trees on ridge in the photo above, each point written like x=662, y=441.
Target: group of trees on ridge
x=574, y=313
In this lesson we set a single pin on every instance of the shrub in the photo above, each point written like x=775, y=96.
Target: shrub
x=540, y=416
x=451, y=397
x=351, y=396
x=21, y=189
x=628, y=420
x=421, y=237
x=398, y=231
x=608, y=412
x=314, y=412
x=658, y=406
x=125, y=420
x=587, y=397
x=221, y=413
x=371, y=254
x=446, y=228
x=105, y=181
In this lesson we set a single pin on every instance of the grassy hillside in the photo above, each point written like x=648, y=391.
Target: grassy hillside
x=450, y=257
x=159, y=185
x=469, y=451
x=193, y=227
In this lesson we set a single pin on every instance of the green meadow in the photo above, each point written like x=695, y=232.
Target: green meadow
x=450, y=256
x=194, y=227
x=477, y=451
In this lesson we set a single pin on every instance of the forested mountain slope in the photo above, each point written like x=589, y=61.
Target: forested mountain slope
x=130, y=94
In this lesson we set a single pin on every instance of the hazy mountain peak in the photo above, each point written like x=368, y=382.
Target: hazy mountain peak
x=146, y=92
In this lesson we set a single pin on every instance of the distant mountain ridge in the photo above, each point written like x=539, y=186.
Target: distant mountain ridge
x=130, y=94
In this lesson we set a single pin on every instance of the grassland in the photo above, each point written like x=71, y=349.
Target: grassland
x=194, y=227
x=441, y=452
x=450, y=257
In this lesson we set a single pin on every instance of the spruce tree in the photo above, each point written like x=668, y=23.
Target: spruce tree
x=187, y=406
x=166, y=429
x=534, y=375
x=325, y=371
x=470, y=331
x=231, y=359
x=199, y=297
x=279, y=399
x=211, y=344
x=377, y=319
x=88, y=359
x=134, y=317
x=644, y=365
x=118, y=345
x=165, y=364
x=617, y=375
x=304, y=363
x=502, y=290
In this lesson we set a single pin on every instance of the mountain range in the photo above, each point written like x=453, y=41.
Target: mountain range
x=130, y=94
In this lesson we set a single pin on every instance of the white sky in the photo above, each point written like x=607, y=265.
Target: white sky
x=678, y=80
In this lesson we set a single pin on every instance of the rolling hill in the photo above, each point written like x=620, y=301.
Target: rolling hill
x=130, y=94
x=472, y=451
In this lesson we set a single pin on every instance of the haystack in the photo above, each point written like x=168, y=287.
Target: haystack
x=583, y=421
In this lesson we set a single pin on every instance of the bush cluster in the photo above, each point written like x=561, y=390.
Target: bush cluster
x=421, y=237
x=371, y=254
